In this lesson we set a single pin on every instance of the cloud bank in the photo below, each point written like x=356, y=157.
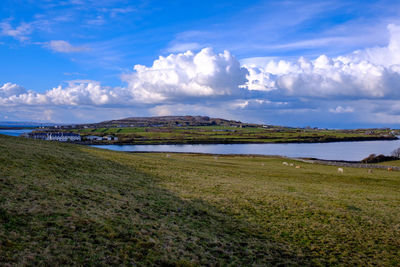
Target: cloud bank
x=186, y=75
x=367, y=74
x=212, y=81
x=170, y=79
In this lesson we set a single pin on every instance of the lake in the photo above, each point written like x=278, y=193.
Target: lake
x=351, y=151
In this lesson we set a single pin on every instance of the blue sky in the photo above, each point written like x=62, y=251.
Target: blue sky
x=320, y=63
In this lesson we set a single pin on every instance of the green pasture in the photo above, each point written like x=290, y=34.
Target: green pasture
x=63, y=204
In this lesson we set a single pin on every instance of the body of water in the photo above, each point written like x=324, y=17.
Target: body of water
x=15, y=132
x=351, y=151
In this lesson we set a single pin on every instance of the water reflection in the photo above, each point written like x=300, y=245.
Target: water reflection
x=330, y=151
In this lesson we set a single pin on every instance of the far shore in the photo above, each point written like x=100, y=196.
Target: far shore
x=215, y=142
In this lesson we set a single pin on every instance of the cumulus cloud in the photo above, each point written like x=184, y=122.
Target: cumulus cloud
x=64, y=47
x=175, y=78
x=384, y=56
x=370, y=73
x=78, y=92
x=192, y=77
x=81, y=93
x=10, y=89
x=13, y=94
x=207, y=82
x=187, y=75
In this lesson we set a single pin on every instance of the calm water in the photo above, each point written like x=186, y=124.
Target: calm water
x=330, y=151
x=15, y=132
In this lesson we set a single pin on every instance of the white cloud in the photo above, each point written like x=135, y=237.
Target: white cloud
x=384, y=56
x=206, y=82
x=257, y=104
x=20, y=32
x=175, y=78
x=186, y=75
x=371, y=73
x=81, y=93
x=340, y=109
x=76, y=93
x=64, y=47
x=13, y=94
x=10, y=89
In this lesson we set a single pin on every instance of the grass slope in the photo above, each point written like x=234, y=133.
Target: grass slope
x=68, y=204
x=395, y=163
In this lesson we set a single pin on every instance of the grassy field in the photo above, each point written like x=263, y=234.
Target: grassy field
x=226, y=134
x=68, y=204
x=395, y=163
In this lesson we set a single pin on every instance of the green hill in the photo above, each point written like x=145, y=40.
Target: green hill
x=63, y=204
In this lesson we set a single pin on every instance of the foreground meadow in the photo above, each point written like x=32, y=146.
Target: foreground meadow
x=76, y=205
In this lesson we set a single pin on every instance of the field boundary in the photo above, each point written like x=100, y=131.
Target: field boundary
x=347, y=164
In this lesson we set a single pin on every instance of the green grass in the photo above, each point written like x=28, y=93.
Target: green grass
x=395, y=163
x=76, y=205
x=227, y=134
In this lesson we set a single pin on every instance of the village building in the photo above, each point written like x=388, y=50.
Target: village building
x=93, y=138
x=101, y=138
x=61, y=137
x=110, y=138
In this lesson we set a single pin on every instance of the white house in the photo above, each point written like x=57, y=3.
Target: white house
x=110, y=138
x=62, y=137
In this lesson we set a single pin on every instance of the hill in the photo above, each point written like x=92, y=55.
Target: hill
x=64, y=204
x=171, y=121
x=206, y=130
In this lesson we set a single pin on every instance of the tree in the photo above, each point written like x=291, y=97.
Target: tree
x=396, y=153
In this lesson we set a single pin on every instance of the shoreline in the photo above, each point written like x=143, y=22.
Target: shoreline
x=228, y=142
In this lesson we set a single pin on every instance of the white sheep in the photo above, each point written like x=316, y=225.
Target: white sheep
x=285, y=163
x=340, y=170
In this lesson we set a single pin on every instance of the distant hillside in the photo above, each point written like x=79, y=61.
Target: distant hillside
x=171, y=121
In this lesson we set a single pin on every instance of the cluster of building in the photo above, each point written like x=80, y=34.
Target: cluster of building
x=68, y=137
x=101, y=138
x=52, y=136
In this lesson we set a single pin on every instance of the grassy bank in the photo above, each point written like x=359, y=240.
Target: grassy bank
x=229, y=135
x=391, y=163
x=68, y=204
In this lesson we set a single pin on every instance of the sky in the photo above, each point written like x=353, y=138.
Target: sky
x=333, y=64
